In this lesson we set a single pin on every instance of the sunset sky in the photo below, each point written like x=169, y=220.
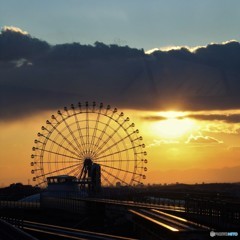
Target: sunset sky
x=173, y=67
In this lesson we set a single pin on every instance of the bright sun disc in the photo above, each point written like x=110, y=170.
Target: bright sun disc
x=172, y=127
x=172, y=114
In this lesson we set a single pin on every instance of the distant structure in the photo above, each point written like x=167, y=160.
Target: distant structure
x=62, y=183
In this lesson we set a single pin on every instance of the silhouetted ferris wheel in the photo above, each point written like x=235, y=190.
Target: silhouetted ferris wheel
x=79, y=137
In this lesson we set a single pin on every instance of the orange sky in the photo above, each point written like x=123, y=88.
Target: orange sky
x=180, y=149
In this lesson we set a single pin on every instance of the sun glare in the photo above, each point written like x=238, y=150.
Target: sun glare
x=172, y=114
x=174, y=126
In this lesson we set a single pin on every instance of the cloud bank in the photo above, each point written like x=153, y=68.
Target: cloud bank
x=230, y=118
x=36, y=76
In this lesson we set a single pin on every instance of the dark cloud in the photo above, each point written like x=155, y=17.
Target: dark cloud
x=223, y=56
x=231, y=118
x=154, y=118
x=228, y=118
x=16, y=44
x=37, y=76
x=21, y=101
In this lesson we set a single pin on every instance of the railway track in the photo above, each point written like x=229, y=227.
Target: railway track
x=156, y=220
x=59, y=232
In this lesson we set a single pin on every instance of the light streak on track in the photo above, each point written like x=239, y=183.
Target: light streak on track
x=170, y=215
x=54, y=233
x=196, y=225
x=167, y=221
x=154, y=221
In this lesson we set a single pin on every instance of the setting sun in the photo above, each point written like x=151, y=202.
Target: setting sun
x=171, y=114
x=173, y=126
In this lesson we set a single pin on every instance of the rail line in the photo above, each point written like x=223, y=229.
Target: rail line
x=135, y=204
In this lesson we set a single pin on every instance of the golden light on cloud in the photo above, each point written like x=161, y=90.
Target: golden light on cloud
x=14, y=29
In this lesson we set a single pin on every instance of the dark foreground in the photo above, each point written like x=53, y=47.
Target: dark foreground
x=154, y=212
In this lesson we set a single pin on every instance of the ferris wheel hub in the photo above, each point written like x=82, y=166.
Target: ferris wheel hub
x=88, y=162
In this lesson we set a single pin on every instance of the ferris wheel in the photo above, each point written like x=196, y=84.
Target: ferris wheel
x=81, y=136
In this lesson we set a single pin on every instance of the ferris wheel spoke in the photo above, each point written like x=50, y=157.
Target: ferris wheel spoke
x=61, y=162
x=108, y=139
x=137, y=181
x=105, y=128
x=60, y=154
x=114, y=144
x=74, y=170
x=69, y=142
x=61, y=146
x=58, y=170
x=115, y=177
x=39, y=184
x=115, y=160
x=79, y=131
x=119, y=169
x=95, y=128
x=114, y=132
x=87, y=130
x=105, y=178
x=71, y=132
x=120, y=151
